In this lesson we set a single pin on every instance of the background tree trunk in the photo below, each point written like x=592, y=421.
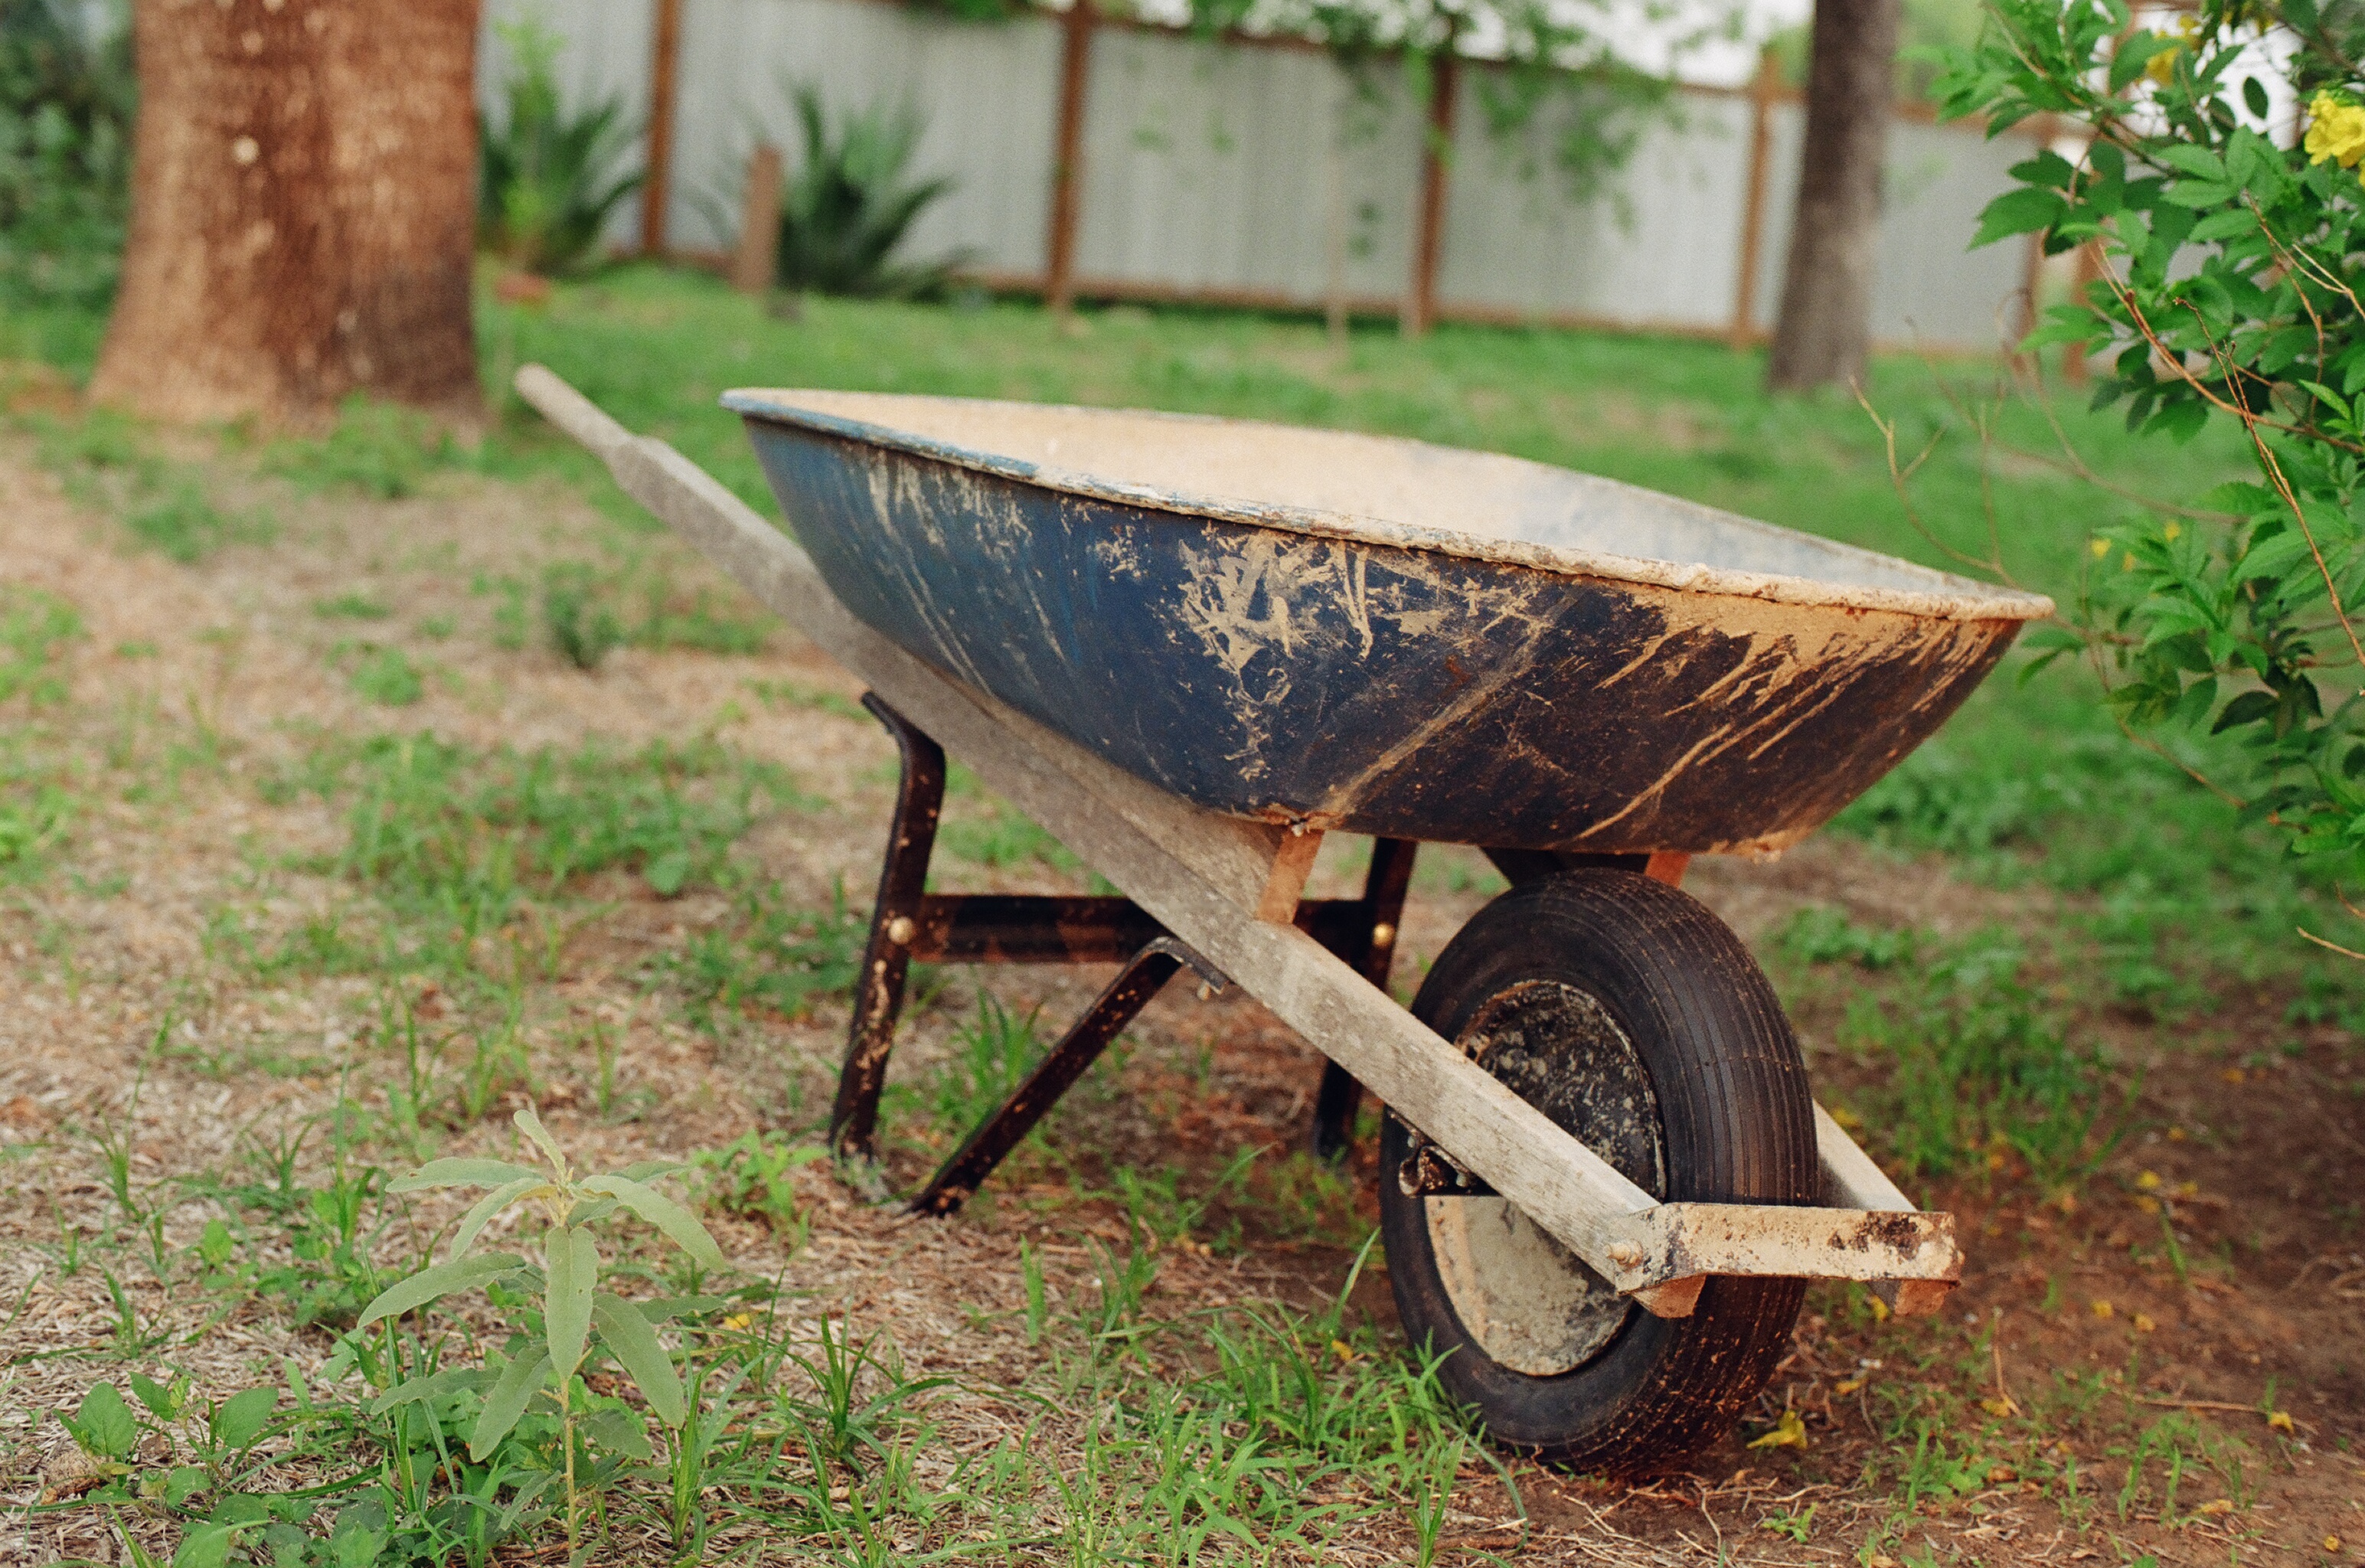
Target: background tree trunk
x=1826, y=323
x=303, y=210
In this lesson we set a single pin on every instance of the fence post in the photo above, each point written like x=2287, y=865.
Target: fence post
x=1762, y=89
x=1437, y=149
x=757, y=258
x=1067, y=166
x=665, y=45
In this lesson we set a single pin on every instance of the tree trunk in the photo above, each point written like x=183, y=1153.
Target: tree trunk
x=1827, y=285
x=303, y=210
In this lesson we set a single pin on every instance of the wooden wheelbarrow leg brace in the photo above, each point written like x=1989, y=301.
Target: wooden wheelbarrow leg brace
x=1230, y=888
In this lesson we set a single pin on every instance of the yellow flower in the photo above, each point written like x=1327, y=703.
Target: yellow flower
x=2336, y=130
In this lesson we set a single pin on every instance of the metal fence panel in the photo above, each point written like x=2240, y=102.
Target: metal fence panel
x=989, y=95
x=1661, y=246
x=1927, y=286
x=1207, y=170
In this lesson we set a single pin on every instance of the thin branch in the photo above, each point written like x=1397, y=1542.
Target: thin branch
x=2335, y=946
x=1898, y=477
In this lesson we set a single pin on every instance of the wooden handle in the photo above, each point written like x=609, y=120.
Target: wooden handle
x=571, y=411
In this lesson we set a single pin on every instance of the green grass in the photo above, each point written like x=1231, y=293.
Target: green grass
x=2176, y=892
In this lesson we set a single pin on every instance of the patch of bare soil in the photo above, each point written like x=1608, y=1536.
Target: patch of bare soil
x=2212, y=1274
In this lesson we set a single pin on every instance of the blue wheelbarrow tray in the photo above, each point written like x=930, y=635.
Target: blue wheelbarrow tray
x=1375, y=635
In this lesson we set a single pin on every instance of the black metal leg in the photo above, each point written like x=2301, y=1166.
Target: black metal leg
x=894, y=925
x=1370, y=945
x=1141, y=979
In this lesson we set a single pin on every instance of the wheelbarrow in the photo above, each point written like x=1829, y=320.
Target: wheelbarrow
x=1191, y=647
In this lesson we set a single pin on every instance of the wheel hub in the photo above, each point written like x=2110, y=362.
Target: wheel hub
x=1532, y=1305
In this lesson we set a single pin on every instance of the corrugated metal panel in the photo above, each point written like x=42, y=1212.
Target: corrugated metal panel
x=1668, y=254
x=1928, y=288
x=1204, y=169
x=990, y=96
x=603, y=54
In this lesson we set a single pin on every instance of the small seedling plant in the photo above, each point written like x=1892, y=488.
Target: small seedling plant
x=563, y=1288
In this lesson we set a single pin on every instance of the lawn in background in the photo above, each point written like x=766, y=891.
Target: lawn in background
x=2032, y=781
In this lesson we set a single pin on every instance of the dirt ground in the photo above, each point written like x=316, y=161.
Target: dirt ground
x=2074, y=1333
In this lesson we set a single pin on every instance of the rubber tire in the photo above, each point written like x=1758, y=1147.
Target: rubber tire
x=1738, y=1125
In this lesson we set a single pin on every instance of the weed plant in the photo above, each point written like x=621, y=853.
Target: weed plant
x=380, y=450
x=582, y=628
x=35, y=627
x=108, y=464
x=753, y=1177
x=770, y=955
x=1973, y=1067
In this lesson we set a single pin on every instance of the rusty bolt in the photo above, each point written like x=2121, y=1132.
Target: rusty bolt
x=1625, y=1254
x=901, y=930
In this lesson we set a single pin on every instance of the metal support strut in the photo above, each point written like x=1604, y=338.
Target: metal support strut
x=1366, y=942
x=911, y=924
x=1127, y=995
x=894, y=924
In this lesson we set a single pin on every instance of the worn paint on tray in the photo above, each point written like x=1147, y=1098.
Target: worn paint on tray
x=1375, y=687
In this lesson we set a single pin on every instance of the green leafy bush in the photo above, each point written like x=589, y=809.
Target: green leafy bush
x=548, y=182
x=66, y=101
x=848, y=204
x=2229, y=271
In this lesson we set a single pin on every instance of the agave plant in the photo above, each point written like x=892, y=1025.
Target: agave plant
x=545, y=187
x=578, y=1315
x=849, y=206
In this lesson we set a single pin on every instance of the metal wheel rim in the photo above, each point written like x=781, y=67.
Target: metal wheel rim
x=1528, y=1303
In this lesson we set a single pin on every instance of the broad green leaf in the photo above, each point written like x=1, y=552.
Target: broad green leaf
x=482, y=1212
x=244, y=1416
x=519, y=1382
x=2184, y=157
x=531, y=1125
x=208, y=1546
x=2247, y=709
x=2138, y=50
x=2019, y=211
x=462, y=1173
x=619, y=1431
x=164, y=1401
x=103, y=1425
x=627, y=1334
x=2048, y=168
x=429, y=1285
x=418, y=1390
x=570, y=1261
x=654, y=1206
x=2200, y=194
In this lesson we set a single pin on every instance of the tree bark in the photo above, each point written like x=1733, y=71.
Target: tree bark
x=1825, y=322
x=303, y=210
